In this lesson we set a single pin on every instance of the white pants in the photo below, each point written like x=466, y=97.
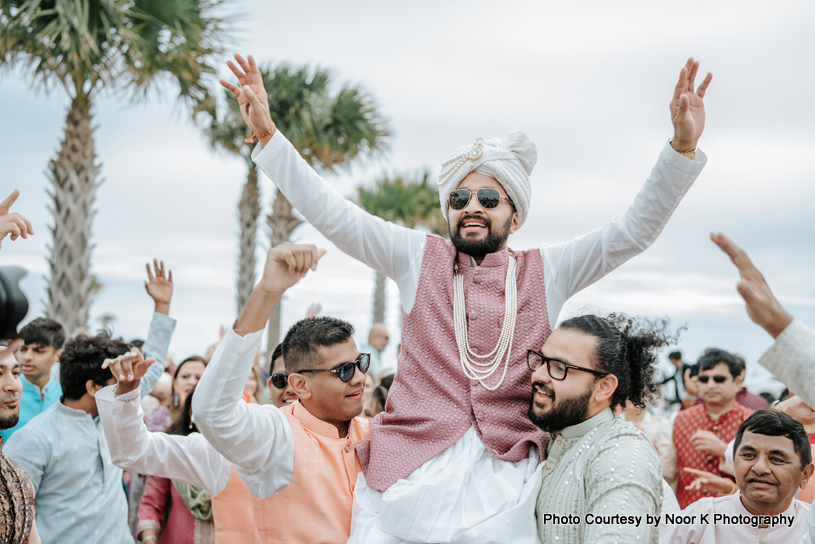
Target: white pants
x=464, y=494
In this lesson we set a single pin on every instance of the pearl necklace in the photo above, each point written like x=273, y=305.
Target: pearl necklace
x=472, y=368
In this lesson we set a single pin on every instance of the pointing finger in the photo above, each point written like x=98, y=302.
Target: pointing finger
x=5, y=206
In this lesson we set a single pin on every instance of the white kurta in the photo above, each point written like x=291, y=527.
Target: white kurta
x=697, y=524
x=397, y=252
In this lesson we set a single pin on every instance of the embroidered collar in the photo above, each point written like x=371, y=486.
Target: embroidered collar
x=576, y=431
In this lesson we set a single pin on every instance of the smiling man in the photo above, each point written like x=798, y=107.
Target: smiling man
x=602, y=477
x=299, y=459
x=42, y=345
x=456, y=406
x=773, y=461
x=701, y=433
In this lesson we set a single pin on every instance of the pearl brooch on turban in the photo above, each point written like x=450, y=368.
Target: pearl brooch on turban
x=509, y=160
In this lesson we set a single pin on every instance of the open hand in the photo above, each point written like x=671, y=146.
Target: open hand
x=160, y=286
x=286, y=264
x=707, y=481
x=250, y=94
x=762, y=306
x=13, y=223
x=128, y=369
x=688, y=108
x=708, y=442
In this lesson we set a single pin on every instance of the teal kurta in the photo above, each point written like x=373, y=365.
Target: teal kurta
x=594, y=470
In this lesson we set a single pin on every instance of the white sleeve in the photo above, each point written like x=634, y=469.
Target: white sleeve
x=791, y=359
x=258, y=440
x=392, y=250
x=572, y=266
x=189, y=459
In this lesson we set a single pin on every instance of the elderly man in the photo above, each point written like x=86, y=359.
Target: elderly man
x=454, y=427
x=791, y=358
x=602, y=477
x=773, y=460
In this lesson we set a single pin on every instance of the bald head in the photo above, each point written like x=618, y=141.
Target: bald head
x=378, y=337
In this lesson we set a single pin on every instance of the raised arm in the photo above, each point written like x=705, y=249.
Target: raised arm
x=257, y=439
x=383, y=246
x=574, y=265
x=160, y=288
x=189, y=459
x=791, y=358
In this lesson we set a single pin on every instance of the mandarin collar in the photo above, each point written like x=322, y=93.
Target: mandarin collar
x=492, y=260
x=576, y=431
x=72, y=412
x=315, y=424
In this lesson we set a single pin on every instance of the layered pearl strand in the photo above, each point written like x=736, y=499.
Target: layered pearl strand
x=472, y=368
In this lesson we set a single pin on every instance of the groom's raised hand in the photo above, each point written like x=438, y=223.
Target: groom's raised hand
x=251, y=96
x=688, y=107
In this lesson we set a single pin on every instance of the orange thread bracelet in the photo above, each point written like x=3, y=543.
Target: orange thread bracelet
x=256, y=137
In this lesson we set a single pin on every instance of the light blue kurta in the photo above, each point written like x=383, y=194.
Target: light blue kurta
x=79, y=493
x=601, y=467
x=33, y=402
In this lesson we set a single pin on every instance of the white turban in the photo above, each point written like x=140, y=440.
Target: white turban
x=509, y=160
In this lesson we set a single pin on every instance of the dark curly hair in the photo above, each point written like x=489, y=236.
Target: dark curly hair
x=82, y=359
x=627, y=348
x=304, y=337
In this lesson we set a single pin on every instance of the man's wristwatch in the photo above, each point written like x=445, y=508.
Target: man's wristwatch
x=689, y=154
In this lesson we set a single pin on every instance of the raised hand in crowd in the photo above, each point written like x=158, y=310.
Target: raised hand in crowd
x=159, y=286
x=13, y=223
x=707, y=481
x=688, y=108
x=252, y=97
x=762, y=306
x=128, y=369
x=286, y=264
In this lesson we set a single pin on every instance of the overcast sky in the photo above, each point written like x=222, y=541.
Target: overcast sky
x=590, y=83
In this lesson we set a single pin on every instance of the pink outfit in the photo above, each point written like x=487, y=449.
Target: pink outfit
x=432, y=403
x=180, y=527
x=158, y=419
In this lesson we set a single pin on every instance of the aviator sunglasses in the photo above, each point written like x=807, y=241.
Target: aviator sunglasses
x=488, y=198
x=346, y=370
x=717, y=379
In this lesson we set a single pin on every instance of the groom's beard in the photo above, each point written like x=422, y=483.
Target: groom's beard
x=478, y=249
x=561, y=414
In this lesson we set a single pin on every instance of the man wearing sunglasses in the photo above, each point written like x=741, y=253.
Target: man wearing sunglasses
x=279, y=388
x=457, y=404
x=299, y=460
x=701, y=433
x=601, y=476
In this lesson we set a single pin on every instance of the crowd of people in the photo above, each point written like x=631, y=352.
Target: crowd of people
x=502, y=424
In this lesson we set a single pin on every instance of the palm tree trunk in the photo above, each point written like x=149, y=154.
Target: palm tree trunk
x=380, y=301
x=248, y=215
x=282, y=223
x=73, y=176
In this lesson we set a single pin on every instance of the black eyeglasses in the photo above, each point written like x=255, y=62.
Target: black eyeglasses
x=717, y=379
x=280, y=380
x=347, y=370
x=557, y=369
x=488, y=198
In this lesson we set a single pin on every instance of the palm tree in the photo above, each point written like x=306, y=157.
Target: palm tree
x=85, y=46
x=227, y=132
x=329, y=128
x=409, y=200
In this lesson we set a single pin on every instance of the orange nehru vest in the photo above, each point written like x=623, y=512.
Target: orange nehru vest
x=233, y=513
x=316, y=505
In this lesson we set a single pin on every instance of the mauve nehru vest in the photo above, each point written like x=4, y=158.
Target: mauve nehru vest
x=432, y=403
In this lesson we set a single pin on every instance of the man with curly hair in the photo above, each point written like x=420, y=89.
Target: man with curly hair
x=602, y=476
x=79, y=495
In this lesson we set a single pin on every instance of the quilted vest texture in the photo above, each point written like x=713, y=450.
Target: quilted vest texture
x=432, y=403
